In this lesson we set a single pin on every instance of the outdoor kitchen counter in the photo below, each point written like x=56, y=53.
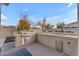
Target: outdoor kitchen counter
x=67, y=44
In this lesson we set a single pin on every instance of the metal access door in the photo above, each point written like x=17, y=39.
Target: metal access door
x=59, y=45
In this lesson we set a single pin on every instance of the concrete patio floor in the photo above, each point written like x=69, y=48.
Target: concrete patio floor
x=37, y=49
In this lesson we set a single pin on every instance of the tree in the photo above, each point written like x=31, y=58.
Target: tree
x=39, y=23
x=62, y=29
x=23, y=23
x=61, y=26
x=43, y=24
x=58, y=25
x=49, y=26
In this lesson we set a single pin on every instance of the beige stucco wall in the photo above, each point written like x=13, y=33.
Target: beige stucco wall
x=51, y=40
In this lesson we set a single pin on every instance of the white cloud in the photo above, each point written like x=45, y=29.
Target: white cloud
x=6, y=23
x=69, y=5
x=71, y=14
x=62, y=18
x=70, y=20
x=3, y=17
x=55, y=19
x=3, y=23
x=25, y=10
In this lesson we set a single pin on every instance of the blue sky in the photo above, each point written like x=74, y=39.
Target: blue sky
x=54, y=12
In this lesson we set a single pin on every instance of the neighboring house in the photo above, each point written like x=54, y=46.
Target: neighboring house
x=72, y=27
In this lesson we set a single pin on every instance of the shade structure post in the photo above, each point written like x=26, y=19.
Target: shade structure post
x=78, y=25
x=0, y=20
